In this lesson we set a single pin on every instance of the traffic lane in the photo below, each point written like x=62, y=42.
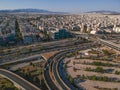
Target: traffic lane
x=57, y=78
x=47, y=77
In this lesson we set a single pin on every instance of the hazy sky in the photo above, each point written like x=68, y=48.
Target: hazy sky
x=62, y=5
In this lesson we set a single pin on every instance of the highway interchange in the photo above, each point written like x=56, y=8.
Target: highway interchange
x=51, y=72
x=17, y=80
x=47, y=47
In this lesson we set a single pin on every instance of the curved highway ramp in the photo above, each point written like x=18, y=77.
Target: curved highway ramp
x=22, y=83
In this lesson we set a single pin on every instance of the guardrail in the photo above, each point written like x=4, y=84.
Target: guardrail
x=59, y=75
x=54, y=69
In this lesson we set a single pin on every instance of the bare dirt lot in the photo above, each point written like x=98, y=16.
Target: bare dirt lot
x=88, y=68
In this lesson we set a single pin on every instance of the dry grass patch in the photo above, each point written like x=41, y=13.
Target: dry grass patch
x=49, y=54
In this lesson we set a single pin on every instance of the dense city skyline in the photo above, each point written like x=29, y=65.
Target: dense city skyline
x=62, y=5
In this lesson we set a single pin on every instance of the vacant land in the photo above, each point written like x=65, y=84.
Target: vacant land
x=97, y=73
x=33, y=73
x=49, y=54
x=5, y=84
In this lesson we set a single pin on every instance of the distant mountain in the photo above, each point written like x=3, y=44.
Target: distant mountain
x=104, y=12
x=31, y=11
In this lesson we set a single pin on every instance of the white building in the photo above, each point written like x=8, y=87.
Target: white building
x=116, y=29
x=93, y=32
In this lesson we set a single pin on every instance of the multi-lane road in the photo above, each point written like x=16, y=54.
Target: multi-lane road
x=36, y=46
x=109, y=44
x=38, y=55
x=47, y=48
x=51, y=74
x=51, y=67
x=61, y=46
x=48, y=80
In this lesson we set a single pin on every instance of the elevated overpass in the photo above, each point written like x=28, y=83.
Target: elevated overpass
x=18, y=81
x=109, y=44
